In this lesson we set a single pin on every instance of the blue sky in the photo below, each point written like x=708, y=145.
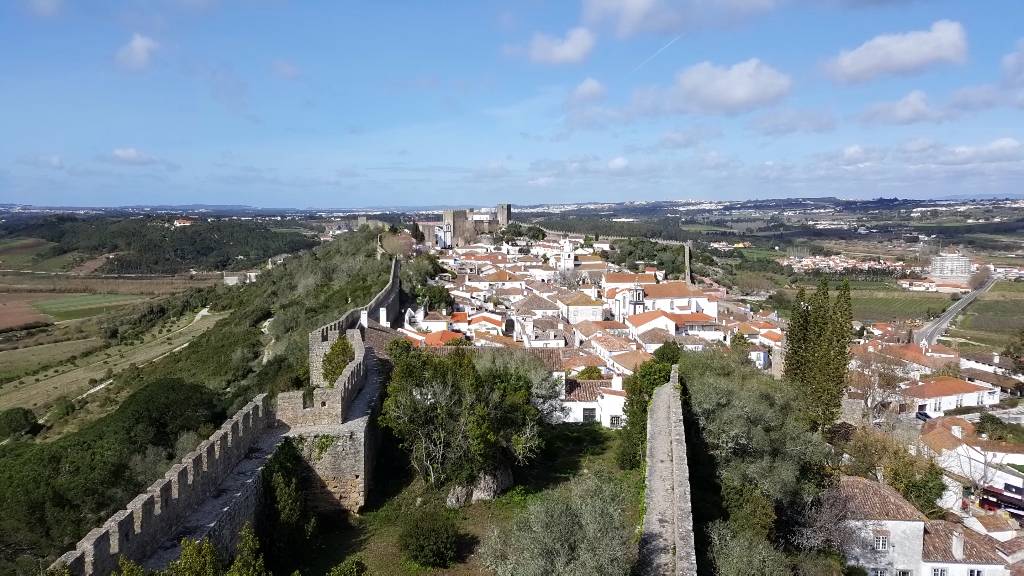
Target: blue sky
x=352, y=104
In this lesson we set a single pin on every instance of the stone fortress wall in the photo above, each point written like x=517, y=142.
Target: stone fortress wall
x=666, y=540
x=137, y=531
x=216, y=488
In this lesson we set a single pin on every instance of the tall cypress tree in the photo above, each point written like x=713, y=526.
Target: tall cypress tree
x=796, y=340
x=817, y=389
x=834, y=385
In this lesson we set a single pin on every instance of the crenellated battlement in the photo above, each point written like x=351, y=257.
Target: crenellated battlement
x=138, y=530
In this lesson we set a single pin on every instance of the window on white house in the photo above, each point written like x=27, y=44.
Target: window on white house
x=881, y=543
x=939, y=572
x=937, y=406
x=975, y=572
x=981, y=398
x=590, y=414
x=616, y=421
x=904, y=573
x=959, y=401
x=879, y=572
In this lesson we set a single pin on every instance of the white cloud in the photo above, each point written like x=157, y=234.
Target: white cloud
x=45, y=8
x=1013, y=66
x=286, y=69
x=789, y=121
x=589, y=90
x=136, y=54
x=910, y=52
x=618, y=164
x=978, y=97
x=541, y=181
x=576, y=45
x=629, y=17
x=999, y=150
x=129, y=156
x=911, y=109
x=738, y=88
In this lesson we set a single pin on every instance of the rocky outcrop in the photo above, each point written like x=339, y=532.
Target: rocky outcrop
x=488, y=486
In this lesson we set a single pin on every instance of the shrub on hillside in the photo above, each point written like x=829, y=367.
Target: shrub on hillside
x=15, y=421
x=430, y=538
x=353, y=566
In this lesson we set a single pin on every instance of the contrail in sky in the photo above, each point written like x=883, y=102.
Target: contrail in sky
x=655, y=55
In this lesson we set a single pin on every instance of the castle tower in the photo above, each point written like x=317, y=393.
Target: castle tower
x=504, y=215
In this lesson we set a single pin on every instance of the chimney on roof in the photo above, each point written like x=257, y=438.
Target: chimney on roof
x=364, y=318
x=958, y=543
x=383, y=317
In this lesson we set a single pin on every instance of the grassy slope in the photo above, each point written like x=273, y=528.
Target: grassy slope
x=571, y=451
x=21, y=254
x=19, y=361
x=75, y=306
x=73, y=379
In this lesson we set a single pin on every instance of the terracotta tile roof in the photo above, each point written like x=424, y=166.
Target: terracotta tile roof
x=1012, y=546
x=532, y=303
x=503, y=276
x=580, y=360
x=671, y=290
x=655, y=336
x=942, y=386
x=577, y=299
x=997, y=523
x=637, y=320
x=610, y=342
x=434, y=316
x=938, y=545
x=870, y=500
x=582, y=390
x=773, y=336
x=991, y=378
x=488, y=319
x=691, y=318
x=630, y=360
x=590, y=327
x=441, y=338
x=460, y=317
x=628, y=278
x=612, y=392
x=912, y=353
x=506, y=341
x=611, y=292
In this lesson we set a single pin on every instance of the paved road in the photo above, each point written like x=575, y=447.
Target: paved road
x=935, y=328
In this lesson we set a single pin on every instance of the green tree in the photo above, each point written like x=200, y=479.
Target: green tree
x=337, y=357
x=248, y=560
x=430, y=538
x=435, y=297
x=16, y=421
x=590, y=373
x=740, y=347
x=639, y=390
x=667, y=353
x=463, y=414
x=797, y=340
x=416, y=232
x=198, y=558
x=126, y=567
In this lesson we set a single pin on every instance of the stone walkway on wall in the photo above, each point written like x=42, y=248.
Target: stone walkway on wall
x=232, y=500
x=666, y=544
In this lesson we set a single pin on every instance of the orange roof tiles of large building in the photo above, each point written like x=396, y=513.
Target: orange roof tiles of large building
x=942, y=386
x=691, y=318
x=460, y=317
x=577, y=299
x=610, y=342
x=442, y=337
x=629, y=278
x=671, y=290
x=637, y=320
x=773, y=336
x=590, y=327
x=938, y=545
x=488, y=319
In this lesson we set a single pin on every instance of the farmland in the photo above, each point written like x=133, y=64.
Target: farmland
x=151, y=285
x=19, y=309
x=994, y=319
x=884, y=306
x=73, y=379
x=31, y=254
x=22, y=360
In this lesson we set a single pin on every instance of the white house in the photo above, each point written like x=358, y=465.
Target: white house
x=936, y=395
x=595, y=401
x=577, y=307
x=889, y=537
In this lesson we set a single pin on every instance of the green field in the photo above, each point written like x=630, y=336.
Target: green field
x=75, y=306
x=995, y=318
x=24, y=254
x=885, y=305
x=23, y=360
